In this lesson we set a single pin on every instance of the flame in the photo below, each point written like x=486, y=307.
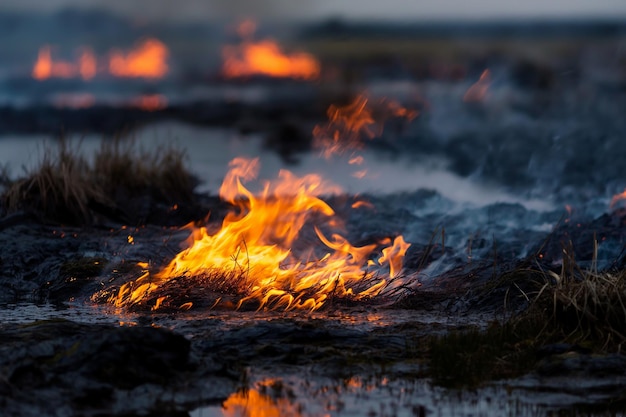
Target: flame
x=360, y=174
x=147, y=60
x=617, y=198
x=45, y=67
x=87, y=66
x=357, y=160
x=254, y=248
x=348, y=125
x=478, y=91
x=265, y=57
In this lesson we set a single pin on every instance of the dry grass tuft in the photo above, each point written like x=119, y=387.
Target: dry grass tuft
x=122, y=168
x=588, y=309
x=65, y=188
x=58, y=189
x=582, y=309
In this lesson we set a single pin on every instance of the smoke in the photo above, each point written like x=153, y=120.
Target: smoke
x=160, y=10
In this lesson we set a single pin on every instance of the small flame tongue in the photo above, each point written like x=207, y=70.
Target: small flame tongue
x=254, y=247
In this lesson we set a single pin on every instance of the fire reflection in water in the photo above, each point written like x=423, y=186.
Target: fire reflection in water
x=254, y=403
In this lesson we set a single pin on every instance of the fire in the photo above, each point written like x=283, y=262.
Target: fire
x=478, y=91
x=45, y=67
x=266, y=57
x=147, y=60
x=87, y=66
x=617, y=198
x=254, y=248
x=348, y=125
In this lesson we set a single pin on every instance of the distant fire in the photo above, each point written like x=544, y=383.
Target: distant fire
x=147, y=60
x=46, y=67
x=265, y=57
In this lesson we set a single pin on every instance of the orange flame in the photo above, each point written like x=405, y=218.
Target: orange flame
x=617, y=198
x=477, y=92
x=349, y=124
x=87, y=66
x=147, y=60
x=254, y=248
x=45, y=67
x=265, y=57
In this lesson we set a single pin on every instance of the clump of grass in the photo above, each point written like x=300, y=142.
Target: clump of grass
x=472, y=356
x=65, y=187
x=584, y=309
x=58, y=189
x=122, y=168
x=589, y=310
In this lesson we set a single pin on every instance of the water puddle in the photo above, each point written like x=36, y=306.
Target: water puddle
x=380, y=396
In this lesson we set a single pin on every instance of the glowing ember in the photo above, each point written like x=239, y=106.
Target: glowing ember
x=254, y=248
x=147, y=60
x=478, y=91
x=149, y=102
x=265, y=57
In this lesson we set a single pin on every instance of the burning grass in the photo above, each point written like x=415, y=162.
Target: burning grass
x=255, y=255
x=65, y=187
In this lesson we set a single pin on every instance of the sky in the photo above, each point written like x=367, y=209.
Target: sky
x=156, y=10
